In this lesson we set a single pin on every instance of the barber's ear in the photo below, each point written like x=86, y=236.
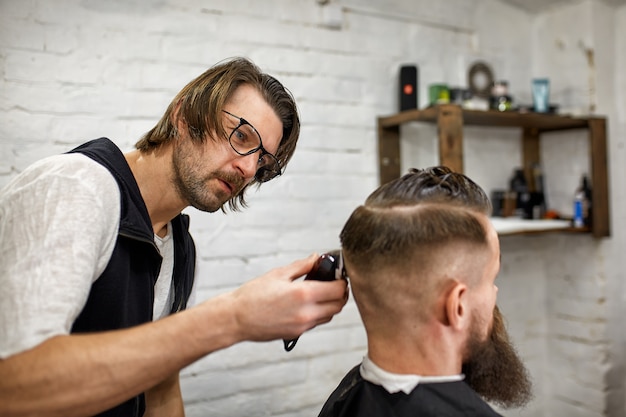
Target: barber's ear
x=457, y=307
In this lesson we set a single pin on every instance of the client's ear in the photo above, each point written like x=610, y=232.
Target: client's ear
x=456, y=306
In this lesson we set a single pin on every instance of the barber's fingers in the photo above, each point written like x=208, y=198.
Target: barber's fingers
x=328, y=291
x=323, y=312
x=296, y=269
x=330, y=298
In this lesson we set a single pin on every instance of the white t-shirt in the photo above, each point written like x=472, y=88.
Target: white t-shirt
x=58, y=226
x=163, y=289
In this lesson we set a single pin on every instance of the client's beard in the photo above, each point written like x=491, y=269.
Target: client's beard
x=493, y=368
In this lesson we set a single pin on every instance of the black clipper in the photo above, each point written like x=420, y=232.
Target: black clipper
x=328, y=267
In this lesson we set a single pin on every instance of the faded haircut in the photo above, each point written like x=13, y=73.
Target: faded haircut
x=203, y=99
x=413, y=215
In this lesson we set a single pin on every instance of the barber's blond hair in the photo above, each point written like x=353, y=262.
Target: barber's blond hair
x=200, y=104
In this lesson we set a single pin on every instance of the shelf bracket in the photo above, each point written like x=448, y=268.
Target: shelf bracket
x=388, y=152
x=600, y=221
x=531, y=155
x=450, y=131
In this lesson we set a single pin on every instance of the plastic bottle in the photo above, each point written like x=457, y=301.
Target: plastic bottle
x=579, y=208
x=582, y=204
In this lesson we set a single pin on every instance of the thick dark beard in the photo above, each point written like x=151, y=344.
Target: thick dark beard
x=494, y=369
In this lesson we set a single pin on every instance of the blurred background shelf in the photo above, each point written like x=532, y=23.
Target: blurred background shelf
x=514, y=226
x=450, y=119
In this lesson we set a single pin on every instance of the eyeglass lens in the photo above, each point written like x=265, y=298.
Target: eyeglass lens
x=245, y=139
x=268, y=168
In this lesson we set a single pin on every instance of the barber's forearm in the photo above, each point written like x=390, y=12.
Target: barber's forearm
x=165, y=399
x=81, y=375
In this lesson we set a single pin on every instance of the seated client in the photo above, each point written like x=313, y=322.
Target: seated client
x=422, y=259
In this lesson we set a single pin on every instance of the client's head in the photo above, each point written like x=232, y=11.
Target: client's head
x=422, y=258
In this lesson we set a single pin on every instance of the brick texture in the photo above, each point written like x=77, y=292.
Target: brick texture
x=74, y=70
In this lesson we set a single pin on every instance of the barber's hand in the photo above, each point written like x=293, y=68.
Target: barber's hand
x=276, y=306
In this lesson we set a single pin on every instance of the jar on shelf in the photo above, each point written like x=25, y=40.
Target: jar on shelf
x=500, y=99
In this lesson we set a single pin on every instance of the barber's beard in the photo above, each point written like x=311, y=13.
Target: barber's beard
x=494, y=369
x=197, y=186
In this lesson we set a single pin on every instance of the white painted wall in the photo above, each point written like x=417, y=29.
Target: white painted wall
x=74, y=70
x=616, y=300
x=586, y=334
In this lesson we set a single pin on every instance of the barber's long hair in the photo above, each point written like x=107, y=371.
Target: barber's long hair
x=201, y=103
x=418, y=211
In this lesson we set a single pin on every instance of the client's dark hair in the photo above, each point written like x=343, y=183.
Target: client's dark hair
x=426, y=207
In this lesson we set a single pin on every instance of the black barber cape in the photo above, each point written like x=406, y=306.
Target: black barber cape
x=356, y=397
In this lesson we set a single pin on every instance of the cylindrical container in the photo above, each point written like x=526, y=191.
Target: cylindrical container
x=541, y=95
x=438, y=94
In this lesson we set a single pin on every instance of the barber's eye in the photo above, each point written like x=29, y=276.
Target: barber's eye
x=239, y=135
x=242, y=137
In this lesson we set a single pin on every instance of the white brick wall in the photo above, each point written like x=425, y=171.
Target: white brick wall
x=73, y=70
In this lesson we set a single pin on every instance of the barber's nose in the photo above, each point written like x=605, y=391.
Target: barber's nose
x=248, y=164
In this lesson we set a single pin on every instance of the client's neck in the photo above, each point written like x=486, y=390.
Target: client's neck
x=427, y=355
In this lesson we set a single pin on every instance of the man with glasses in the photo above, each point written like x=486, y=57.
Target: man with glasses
x=97, y=257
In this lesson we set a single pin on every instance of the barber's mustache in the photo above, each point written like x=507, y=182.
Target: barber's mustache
x=236, y=181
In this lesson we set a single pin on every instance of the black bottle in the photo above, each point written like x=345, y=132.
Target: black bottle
x=519, y=186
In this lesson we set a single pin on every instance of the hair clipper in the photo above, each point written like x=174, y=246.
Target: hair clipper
x=327, y=267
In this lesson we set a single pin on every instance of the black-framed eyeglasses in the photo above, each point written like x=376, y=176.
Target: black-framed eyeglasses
x=246, y=140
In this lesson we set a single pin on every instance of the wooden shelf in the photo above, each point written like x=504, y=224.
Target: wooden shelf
x=540, y=121
x=450, y=120
x=515, y=226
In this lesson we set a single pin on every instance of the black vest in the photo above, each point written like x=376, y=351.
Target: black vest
x=123, y=296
